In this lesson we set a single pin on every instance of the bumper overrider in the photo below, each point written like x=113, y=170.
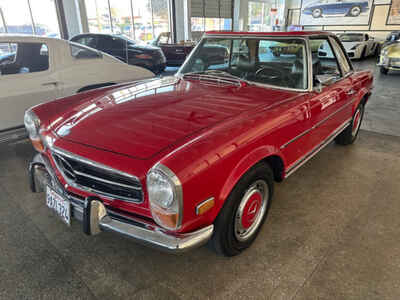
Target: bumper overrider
x=96, y=217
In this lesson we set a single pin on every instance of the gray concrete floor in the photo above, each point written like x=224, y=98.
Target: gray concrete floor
x=383, y=111
x=332, y=233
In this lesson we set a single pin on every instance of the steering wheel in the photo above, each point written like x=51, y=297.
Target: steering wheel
x=272, y=74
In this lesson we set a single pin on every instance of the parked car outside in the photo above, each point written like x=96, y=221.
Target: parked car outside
x=357, y=45
x=178, y=161
x=389, y=59
x=348, y=8
x=125, y=49
x=39, y=69
x=174, y=52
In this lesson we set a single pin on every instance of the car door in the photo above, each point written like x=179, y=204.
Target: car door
x=27, y=81
x=370, y=45
x=331, y=107
x=82, y=67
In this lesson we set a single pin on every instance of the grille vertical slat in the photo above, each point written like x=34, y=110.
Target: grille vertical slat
x=94, y=178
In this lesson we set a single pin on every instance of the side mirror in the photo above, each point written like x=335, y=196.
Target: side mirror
x=323, y=80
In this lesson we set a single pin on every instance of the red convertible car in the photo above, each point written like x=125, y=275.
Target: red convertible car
x=176, y=162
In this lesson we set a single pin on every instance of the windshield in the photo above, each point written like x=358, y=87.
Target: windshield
x=351, y=37
x=273, y=61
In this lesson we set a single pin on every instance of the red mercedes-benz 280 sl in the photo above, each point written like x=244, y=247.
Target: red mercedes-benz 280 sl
x=180, y=161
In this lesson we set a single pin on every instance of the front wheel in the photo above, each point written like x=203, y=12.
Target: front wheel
x=384, y=71
x=355, y=11
x=244, y=211
x=363, y=53
x=317, y=13
x=349, y=135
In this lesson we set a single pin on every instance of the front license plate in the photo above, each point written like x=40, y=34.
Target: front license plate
x=60, y=205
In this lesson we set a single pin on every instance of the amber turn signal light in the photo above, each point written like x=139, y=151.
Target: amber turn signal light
x=38, y=145
x=205, y=206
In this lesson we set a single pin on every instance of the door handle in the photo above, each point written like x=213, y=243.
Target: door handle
x=50, y=83
x=350, y=92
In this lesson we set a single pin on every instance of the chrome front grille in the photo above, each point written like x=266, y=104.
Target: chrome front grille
x=96, y=178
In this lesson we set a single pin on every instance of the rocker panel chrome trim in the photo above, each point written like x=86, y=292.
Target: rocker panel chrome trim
x=316, y=149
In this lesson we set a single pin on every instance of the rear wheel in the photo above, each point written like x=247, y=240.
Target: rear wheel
x=244, y=211
x=349, y=135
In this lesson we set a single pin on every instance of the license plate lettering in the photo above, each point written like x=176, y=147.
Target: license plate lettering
x=57, y=203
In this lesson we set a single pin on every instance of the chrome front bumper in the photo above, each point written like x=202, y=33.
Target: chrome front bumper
x=96, y=218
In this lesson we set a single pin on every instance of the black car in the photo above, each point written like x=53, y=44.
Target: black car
x=126, y=50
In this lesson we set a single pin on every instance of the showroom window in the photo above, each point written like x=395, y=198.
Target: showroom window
x=139, y=20
x=29, y=17
x=260, y=16
x=211, y=15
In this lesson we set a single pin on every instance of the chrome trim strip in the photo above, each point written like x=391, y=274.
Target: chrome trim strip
x=202, y=203
x=94, y=164
x=301, y=161
x=315, y=126
x=218, y=79
x=157, y=238
x=107, y=181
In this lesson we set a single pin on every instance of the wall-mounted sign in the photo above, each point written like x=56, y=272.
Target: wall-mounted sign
x=335, y=12
x=394, y=13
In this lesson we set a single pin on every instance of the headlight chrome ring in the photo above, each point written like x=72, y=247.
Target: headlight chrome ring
x=162, y=184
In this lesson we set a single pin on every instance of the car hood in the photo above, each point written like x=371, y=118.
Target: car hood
x=393, y=50
x=349, y=45
x=143, y=119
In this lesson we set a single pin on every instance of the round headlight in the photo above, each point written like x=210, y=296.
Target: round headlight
x=32, y=124
x=160, y=189
x=165, y=197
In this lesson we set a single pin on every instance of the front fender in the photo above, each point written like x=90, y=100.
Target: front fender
x=244, y=165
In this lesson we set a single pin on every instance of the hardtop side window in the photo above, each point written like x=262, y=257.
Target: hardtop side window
x=344, y=63
x=324, y=61
x=289, y=56
x=78, y=52
x=23, y=58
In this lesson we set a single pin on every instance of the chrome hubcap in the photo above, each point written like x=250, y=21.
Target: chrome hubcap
x=355, y=11
x=356, y=123
x=251, y=210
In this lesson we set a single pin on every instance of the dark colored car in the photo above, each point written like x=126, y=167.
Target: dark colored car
x=350, y=8
x=126, y=50
x=175, y=53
